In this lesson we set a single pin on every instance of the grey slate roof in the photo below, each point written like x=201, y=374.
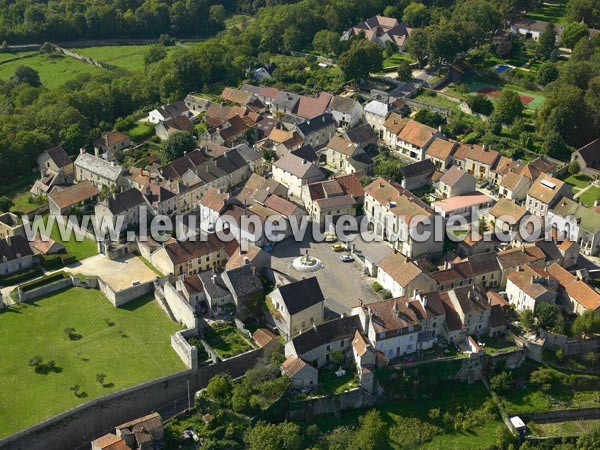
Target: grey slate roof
x=301, y=295
x=213, y=284
x=425, y=167
x=342, y=104
x=243, y=281
x=286, y=100
x=123, y=201
x=247, y=153
x=315, y=124
x=18, y=245
x=322, y=334
x=59, y=156
x=99, y=166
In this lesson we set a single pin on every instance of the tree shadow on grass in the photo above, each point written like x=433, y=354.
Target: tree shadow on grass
x=45, y=369
x=108, y=385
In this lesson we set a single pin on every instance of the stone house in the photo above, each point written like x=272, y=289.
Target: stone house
x=577, y=223
x=112, y=141
x=329, y=198
x=302, y=375
x=166, y=128
x=529, y=285
x=468, y=312
x=296, y=307
x=418, y=175
x=318, y=130
x=176, y=109
x=15, y=255
x=391, y=210
x=127, y=204
x=295, y=172
x=441, y=152
x=98, y=171
x=575, y=294
x=545, y=192
x=514, y=187
x=55, y=160
x=456, y=182
x=345, y=157
x=403, y=277
x=414, y=139
x=11, y=225
x=588, y=158
x=81, y=195
x=346, y=111
x=246, y=289
x=375, y=115
x=326, y=344
x=142, y=433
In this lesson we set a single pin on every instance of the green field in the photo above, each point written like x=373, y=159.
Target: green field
x=129, y=345
x=590, y=196
x=129, y=57
x=397, y=59
x=54, y=70
x=564, y=429
x=5, y=56
x=554, y=12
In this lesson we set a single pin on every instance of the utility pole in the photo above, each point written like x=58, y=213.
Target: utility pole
x=189, y=399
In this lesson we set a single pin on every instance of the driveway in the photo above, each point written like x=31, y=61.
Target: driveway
x=342, y=283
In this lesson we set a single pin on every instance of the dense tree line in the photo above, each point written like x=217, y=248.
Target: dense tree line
x=38, y=21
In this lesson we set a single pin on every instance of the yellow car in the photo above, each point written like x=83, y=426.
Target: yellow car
x=330, y=237
x=338, y=247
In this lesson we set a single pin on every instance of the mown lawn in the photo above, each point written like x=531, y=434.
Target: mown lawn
x=54, y=70
x=129, y=345
x=554, y=12
x=79, y=249
x=129, y=57
x=397, y=59
x=589, y=197
x=451, y=398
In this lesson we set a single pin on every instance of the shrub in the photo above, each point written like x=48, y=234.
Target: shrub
x=376, y=286
x=43, y=281
x=20, y=277
x=386, y=294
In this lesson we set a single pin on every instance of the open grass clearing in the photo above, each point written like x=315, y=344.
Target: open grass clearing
x=54, y=70
x=590, y=196
x=128, y=57
x=554, y=12
x=129, y=345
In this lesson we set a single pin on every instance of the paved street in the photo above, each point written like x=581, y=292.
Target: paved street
x=343, y=281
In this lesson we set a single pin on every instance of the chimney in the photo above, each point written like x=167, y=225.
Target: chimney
x=81, y=151
x=303, y=161
x=484, y=148
x=446, y=265
x=415, y=293
x=214, y=279
x=113, y=164
x=246, y=260
x=8, y=240
x=253, y=270
x=96, y=152
x=424, y=302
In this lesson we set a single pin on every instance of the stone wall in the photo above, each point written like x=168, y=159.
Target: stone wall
x=45, y=290
x=119, y=298
x=333, y=404
x=188, y=353
x=562, y=415
x=78, y=426
x=181, y=310
x=570, y=345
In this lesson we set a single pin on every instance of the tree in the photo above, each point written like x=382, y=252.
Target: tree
x=509, y=106
x=554, y=145
x=501, y=382
x=100, y=377
x=547, y=73
x=391, y=49
x=443, y=44
x=418, y=46
x=590, y=440
x=582, y=51
x=481, y=104
x=362, y=58
x=27, y=75
x=69, y=332
x=268, y=436
x=371, y=433
x=219, y=388
x=574, y=168
x=586, y=11
x=404, y=72
x=154, y=54
x=430, y=118
x=416, y=15
x=587, y=323
x=572, y=33
x=548, y=315
x=326, y=41
x=547, y=41
x=178, y=144
x=482, y=226
x=5, y=204
x=527, y=319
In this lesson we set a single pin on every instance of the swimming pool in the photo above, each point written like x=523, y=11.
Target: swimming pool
x=501, y=68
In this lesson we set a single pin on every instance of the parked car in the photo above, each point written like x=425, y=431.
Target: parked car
x=338, y=247
x=347, y=258
x=330, y=237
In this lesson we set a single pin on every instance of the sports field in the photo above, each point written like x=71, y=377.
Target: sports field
x=529, y=99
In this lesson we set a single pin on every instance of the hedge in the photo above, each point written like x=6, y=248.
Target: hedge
x=57, y=261
x=11, y=280
x=43, y=281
